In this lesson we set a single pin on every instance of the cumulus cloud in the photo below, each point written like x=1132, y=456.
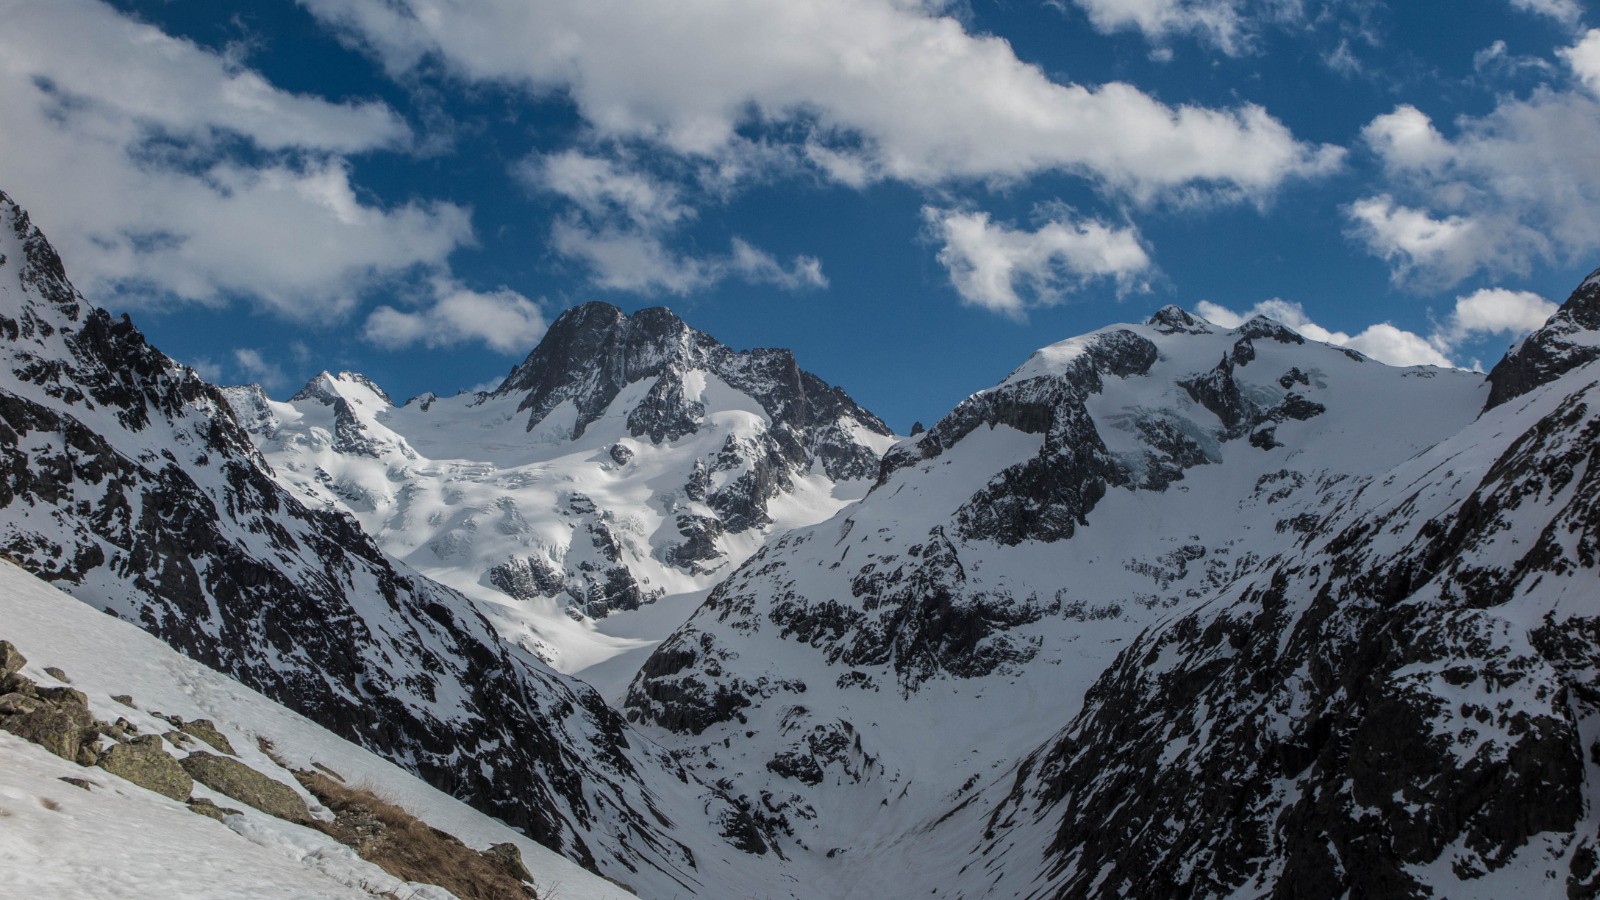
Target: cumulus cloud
x=502, y=320
x=1510, y=189
x=1007, y=270
x=1584, y=59
x=123, y=143
x=1484, y=313
x=1492, y=311
x=865, y=89
x=1447, y=249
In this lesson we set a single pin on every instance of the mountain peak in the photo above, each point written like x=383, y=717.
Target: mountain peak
x=600, y=344
x=327, y=387
x=593, y=351
x=1568, y=340
x=1170, y=319
x=1263, y=327
x=39, y=268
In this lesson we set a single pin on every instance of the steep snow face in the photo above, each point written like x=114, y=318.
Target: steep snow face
x=1404, y=703
x=855, y=680
x=125, y=480
x=119, y=840
x=626, y=460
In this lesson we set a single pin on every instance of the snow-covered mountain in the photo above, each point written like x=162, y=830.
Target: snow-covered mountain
x=128, y=483
x=1406, y=702
x=897, y=662
x=1174, y=609
x=627, y=459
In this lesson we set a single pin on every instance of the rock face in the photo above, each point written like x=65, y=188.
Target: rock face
x=1565, y=342
x=889, y=664
x=594, y=352
x=126, y=480
x=626, y=459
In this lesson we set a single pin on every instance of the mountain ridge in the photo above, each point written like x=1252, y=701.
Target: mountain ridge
x=1172, y=608
x=129, y=483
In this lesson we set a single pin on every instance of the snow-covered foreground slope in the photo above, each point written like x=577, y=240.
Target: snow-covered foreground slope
x=126, y=481
x=856, y=680
x=629, y=460
x=119, y=840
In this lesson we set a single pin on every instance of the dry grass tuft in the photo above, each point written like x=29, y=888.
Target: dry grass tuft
x=385, y=834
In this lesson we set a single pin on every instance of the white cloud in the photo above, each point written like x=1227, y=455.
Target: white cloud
x=604, y=188
x=1567, y=12
x=760, y=267
x=639, y=261
x=1383, y=341
x=867, y=89
x=634, y=261
x=92, y=101
x=1406, y=139
x=1226, y=24
x=254, y=368
x=1007, y=270
x=1497, y=59
x=1446, y=249
x=1484, y=313
x=503, y=320
x=113, y=71
x=1492, y=311
x=1342, y=59
x=1584, y=59
x=622, y=222
x=1515, y=187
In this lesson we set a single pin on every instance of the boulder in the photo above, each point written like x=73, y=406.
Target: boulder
x=145, y=762
x=10, y=659
x=206, y=730
x=209, y=809
x=508, y=859
x=63, y=696
x=64, y=728
x=246, y=785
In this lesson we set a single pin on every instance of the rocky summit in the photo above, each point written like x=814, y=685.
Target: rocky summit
x=628, y=459
x=1174, y=609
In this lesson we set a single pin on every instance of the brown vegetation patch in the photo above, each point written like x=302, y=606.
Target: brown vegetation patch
x=405, y=847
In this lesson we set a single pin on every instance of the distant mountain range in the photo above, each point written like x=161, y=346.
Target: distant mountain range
x=1173, y=610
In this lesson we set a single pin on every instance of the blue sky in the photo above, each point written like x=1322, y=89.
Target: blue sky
x=911, y=194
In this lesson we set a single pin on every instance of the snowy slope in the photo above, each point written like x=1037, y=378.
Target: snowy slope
x=120, y=840
x=628, y=460
x=1405, y=703
x=856, y=680
x=126, y=481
